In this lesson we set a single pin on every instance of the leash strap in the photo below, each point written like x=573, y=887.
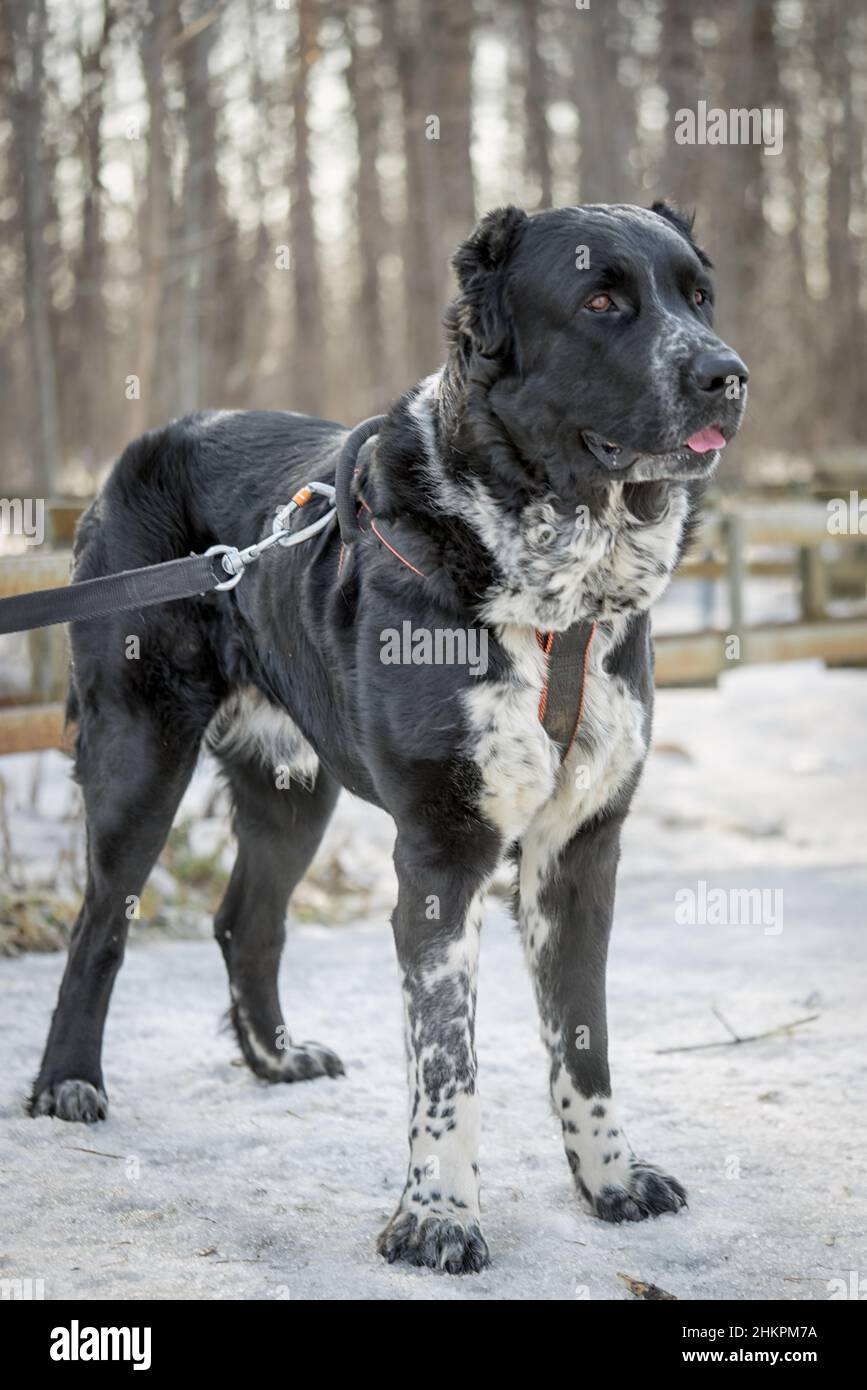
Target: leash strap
x=561, y=703
x=221, y=567
x=95, y=598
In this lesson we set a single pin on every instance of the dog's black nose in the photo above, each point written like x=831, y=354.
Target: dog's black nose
x=712, y=371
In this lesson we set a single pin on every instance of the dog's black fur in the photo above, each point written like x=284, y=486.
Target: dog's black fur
x=480, y=474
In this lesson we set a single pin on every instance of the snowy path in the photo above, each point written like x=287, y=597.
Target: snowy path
x=758, y=784
x=287, y=1186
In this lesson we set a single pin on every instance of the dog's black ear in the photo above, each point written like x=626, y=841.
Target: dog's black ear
x=678, y=217
x=480, y=312
x=682, y=222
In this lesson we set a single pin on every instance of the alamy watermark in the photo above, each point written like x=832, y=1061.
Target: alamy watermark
x=847, y=518
x=22, y=1290
x=729, y=907
x=738, y=126
x=23, y=516
x=77, y=1343
x=438, y=646
x=853, y=1287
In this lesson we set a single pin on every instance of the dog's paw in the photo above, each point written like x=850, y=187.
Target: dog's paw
x=277, y=1058
x=300, y=1062
x=646, y=1192
x=304, y=1061
x=71, y=1100
x=443, y=1241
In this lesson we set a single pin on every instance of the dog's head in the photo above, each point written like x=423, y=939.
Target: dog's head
x=588, y=332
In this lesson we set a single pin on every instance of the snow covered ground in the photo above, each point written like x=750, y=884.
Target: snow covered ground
x=206, y=1183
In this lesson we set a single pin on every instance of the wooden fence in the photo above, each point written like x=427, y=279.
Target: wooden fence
x=726, y=550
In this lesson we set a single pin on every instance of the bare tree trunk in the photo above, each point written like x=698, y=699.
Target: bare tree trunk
x=451, y=58
x=606, y=107
x=201, y=215
x=805, y=412
x=308, y=387
x=155, y=215
x=842, y=349
x=683, y=165
x=739, y=234
x=23, y=29
x=422, y=306
x=244, y=381
x=91, y=416
x=538, y=158
x=361, y=79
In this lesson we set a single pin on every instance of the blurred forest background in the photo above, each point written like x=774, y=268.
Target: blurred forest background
x=238, y=202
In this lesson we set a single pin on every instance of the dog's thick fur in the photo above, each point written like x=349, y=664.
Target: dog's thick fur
x=488, y=480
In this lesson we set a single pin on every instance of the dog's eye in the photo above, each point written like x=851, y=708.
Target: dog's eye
x=699, y=297
x=600, y=303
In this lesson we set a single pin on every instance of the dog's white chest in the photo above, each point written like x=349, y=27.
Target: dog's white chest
x=555, y=573
x=520, y=766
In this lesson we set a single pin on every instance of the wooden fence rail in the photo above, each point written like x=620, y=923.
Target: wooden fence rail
x=725, y=549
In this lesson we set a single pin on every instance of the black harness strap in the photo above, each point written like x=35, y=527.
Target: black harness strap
x=95, y=598
x=347, y=465
x=562, y=701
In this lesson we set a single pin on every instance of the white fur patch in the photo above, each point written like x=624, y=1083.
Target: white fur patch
x=247, y=725
x=517, y=760
x=558, y=571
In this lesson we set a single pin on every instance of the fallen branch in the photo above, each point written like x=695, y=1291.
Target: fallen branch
x=650, y=1292
x=100, y=1153
x=736, y=1039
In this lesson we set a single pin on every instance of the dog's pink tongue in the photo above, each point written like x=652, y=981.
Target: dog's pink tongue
x=705, y=440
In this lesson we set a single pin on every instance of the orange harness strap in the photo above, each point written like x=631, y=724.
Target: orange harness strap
x=561, y=704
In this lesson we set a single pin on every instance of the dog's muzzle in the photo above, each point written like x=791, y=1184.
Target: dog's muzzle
x=610, y=455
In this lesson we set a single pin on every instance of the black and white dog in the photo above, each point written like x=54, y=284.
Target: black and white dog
x=547, y=476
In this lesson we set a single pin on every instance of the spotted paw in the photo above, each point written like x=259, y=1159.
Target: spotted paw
x=439, y=1240
x=645, y=1192
x=298, y=1062
x=304, y=1061
x=71, y=1100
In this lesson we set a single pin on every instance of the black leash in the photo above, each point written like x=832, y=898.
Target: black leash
x=114, y=593
x=220, y=568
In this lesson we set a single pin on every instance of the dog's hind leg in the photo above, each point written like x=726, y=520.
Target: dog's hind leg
x=133, y=776
x=278, y=828
x=565, y=909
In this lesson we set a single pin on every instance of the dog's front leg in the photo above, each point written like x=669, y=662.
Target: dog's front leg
x=437, y=924
x=566, y=904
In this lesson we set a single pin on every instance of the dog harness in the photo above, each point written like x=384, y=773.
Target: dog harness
x=566, y=654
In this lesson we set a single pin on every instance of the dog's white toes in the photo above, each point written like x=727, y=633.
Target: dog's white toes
x=300, y=1062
